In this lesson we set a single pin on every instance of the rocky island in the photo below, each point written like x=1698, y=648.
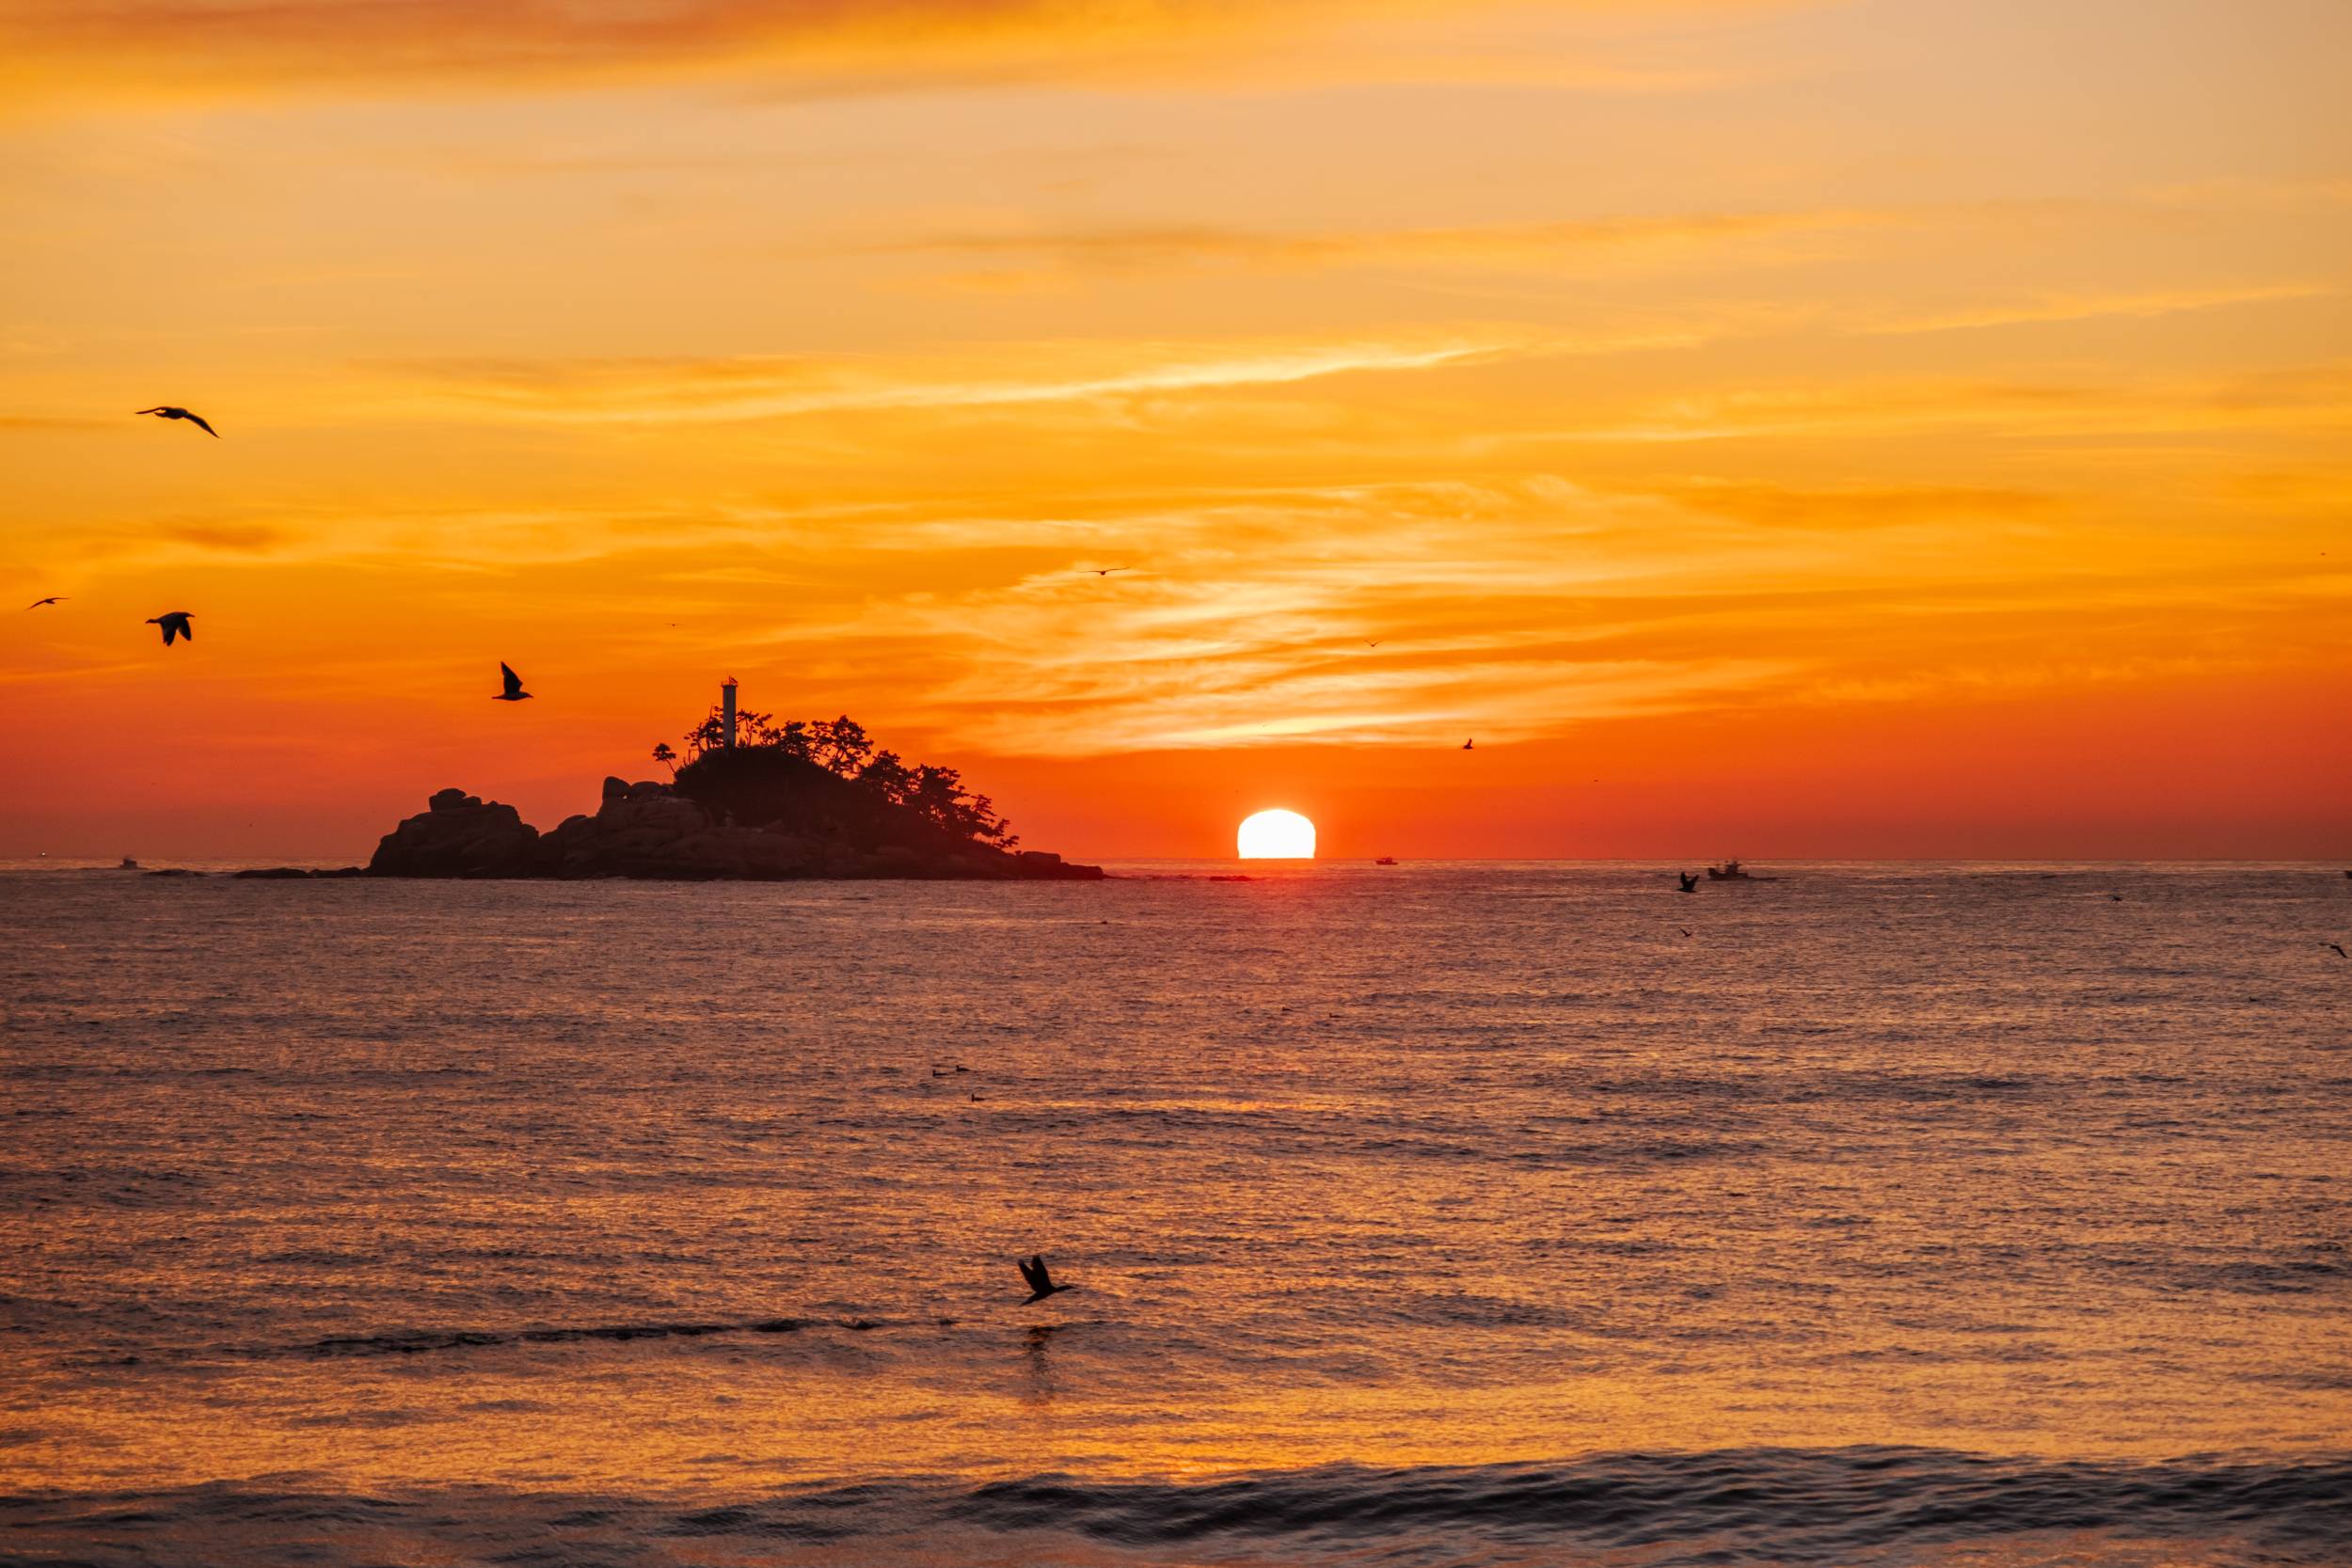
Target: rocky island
x=753, y=801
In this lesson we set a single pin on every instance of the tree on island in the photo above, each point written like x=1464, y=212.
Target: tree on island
x=841, y=745
x=666, y=757
x=841, y=748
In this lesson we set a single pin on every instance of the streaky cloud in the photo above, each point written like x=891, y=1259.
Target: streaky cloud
x=753, y=387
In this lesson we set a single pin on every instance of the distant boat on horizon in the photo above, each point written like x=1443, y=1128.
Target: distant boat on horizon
x=1385, y=859
x=1730, y=871
x=128, y=864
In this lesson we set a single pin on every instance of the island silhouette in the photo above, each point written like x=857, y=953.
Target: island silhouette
x=752, y=801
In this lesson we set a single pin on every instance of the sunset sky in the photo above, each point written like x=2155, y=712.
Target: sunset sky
x=1774, y=429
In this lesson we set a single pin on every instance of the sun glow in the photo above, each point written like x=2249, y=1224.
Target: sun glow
x=1277, y=836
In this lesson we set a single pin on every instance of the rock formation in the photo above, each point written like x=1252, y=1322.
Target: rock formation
x=649, y=830
x=457, y=835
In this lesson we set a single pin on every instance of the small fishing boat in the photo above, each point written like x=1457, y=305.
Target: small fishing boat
x=1386, y=860
x=1730, y=871
x=128, y=864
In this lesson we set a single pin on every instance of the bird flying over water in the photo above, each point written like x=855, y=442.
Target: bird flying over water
x=513, y=692
x=1104, y=571
x=53, y=598
x=1690, y=883
x=1368, y=642
x=1040, y=1283
x=165, y=411
x=1467, y=745
x=2339, y=952
x=175, y=624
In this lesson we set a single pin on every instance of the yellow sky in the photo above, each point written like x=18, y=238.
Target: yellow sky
x=1741, y=417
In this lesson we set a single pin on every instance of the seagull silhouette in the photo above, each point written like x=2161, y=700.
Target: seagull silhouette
x=1040, y=1283
x=53, y=598
x=175, y=624
x=1104, y=571
x=1684, y=929
x=1369, y=644
x=1690, y=883
x=513, y=692
x=1467, y=745
x=165, y=411
x=2339, y=952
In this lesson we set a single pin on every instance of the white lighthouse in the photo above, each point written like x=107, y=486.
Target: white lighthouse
x=726, y=713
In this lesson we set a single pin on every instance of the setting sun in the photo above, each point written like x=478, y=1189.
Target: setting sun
x=1277, y=836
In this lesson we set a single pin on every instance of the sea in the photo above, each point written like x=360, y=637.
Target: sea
x=1921, y=1213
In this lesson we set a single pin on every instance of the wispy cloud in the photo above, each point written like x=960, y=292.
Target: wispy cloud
x=350, y=41
x=2305, y=400
x=1851, y=505
x=1248, y=622
x=1158, y=248
x=770, y=387
x=779, y=47
x=2093, y=306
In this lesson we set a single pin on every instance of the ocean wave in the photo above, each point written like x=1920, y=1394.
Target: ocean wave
x=420, y=1341
x=1761, y=1504
x=1857, y=1505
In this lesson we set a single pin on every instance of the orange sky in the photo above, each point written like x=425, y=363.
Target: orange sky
x=1771, y=428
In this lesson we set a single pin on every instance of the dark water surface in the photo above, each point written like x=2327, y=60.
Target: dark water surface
x=1938, y=1214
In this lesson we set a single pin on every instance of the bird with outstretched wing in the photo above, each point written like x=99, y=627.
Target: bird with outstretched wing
x=1040, y=1283
x=169, y=411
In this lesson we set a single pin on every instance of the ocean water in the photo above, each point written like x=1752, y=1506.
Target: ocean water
x=1440, y=1213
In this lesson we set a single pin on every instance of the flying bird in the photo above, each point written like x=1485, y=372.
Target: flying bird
x=165, y=411
x=1684, y=929
x=513, y=692
x=1369, y=644
x=1040, y=1283
x=53, y=598
x=1690, y=883
x=2339, y=952
x=1104, y=571
x=175, y=624
x=1467, y=745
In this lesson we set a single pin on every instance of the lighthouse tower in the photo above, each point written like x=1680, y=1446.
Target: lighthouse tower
x=726, y=713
